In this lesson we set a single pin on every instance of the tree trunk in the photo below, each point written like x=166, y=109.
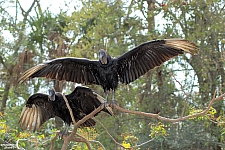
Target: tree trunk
x=5, y=96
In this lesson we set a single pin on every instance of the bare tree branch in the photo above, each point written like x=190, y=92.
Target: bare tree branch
x=157, y=116
x=70, y=110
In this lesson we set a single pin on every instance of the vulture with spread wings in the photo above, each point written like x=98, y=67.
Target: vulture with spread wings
x=108, y=71
x=41, y=107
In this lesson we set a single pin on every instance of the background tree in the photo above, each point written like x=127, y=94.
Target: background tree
x=182, y=86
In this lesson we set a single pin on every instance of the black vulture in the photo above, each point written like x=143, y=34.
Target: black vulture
x=108, y=71
x=41, y=107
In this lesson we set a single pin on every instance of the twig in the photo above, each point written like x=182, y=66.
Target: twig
x=82, y=140
x=94, y=141
x=142, y=144
x=118, y=142
x=53, y=142
x=187, y=95
x=109, y=133
x=180, y=85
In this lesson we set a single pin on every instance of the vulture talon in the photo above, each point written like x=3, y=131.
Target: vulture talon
x=112, y=104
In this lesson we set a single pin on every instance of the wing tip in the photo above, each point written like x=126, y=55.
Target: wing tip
x=183, y=44
x=27, y=74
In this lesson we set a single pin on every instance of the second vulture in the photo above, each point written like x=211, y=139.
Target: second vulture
x=41, y=107
x=108, y=71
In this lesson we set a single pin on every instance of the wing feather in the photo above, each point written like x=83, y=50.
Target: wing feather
x=36, y=112
x=22, y=113
x=34, y=123
x=142, y=68
x=136, y=65
x=39, y=119
x=86, y=101
x=60, y=69
x=31, y=118
x=24, y=118
x=149, y=55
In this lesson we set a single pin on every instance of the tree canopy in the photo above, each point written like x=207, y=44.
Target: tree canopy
x=182, y=86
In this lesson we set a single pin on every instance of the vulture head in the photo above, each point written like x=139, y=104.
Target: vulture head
x=51, y=95
x=102, y=57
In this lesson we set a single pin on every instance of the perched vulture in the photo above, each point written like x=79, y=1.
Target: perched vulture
x=108, y=71
x=41, y=107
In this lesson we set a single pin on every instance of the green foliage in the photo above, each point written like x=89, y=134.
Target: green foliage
x=118, y=26
x=158, y=131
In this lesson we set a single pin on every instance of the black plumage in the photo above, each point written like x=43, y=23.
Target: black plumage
x=108, y=71
x=41, y=107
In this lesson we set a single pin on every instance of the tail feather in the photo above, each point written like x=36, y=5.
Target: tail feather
x=102, y=100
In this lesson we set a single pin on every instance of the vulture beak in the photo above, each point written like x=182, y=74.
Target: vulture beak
x=51, y=95
x=102, y=57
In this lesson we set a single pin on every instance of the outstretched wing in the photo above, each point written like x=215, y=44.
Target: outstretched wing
x=86, y=101
x=36, y=112
x=146, y=56
x=72, y=69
